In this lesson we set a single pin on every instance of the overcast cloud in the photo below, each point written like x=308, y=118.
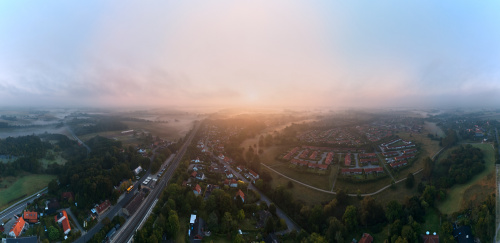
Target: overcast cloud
x=259, y=52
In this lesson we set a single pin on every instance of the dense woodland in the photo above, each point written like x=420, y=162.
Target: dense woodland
x=28, y=150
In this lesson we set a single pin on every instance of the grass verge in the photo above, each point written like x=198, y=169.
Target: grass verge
x=14, y=187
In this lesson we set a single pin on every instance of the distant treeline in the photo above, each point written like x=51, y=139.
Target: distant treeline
x=101, y=125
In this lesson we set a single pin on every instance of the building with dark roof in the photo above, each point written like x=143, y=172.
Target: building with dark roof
x=463, y=234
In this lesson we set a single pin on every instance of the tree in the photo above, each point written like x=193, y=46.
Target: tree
x=53, y=233
x=371, y=212
x=173, y=225
x=53, y=187
x=394, y=211
x=241, y=215
x=410, y=180
x=315, y=238
x=428, y=167
x=213, y=221
x=272, y=208
x=269, y=228
x=227, y=222
x=342, y=197
x=350, y=217
x=238, y=239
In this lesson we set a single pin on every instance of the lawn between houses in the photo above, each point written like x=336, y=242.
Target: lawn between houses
x=13, y=189
x=477, y=189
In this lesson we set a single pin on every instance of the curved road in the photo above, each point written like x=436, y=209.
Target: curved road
x=352, y=195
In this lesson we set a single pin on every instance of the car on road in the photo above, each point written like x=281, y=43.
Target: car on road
x=38, y=195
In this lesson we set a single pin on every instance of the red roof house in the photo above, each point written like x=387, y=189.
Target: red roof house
x=31, y=217
x=17, y=228
x=197, y=190
x=102, y=207
x=241, y=194
x=367, y=238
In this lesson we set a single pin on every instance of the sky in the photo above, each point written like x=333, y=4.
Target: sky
x=416, y=53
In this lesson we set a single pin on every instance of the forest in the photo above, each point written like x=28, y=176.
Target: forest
x=459, y=166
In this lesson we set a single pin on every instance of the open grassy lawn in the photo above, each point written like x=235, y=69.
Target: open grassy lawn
x=313, y=179
x=14, y=187
x=400, y=193
x=57, y=160
x=302, y=193
x=431, y=221
x=476, y=189
x=365, y=187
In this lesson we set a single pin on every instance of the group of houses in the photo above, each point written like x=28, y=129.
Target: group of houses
x=309, y=164
x=359, y=171
x=403, y=144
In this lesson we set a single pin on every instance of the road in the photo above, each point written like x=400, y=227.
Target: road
x=127, y=231
x=153, y=194
x=289, y=222
x=18, y=207
x=77, y=139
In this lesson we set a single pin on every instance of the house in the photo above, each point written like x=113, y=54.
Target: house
x=398, y=164
x=329, y=158
x=253, y=174
x=428, y=238
x=366, y=238
x=221, y=156
x=371, y=170
x=66, y=226
x=103, y=207
x=67, y=196
x=368, y=155
x=17, y=228
x=137, y=170
x=241, y=194
x=200, y=176
x=52, y=206
x=63, y=219
x=194, y=174
x=353, y=171
x=60, y=216
x=233, y=183
x=299, y=162
x=197, y=160
x=30, y=217
x=347, y=159
x=239, y=168
x=229, y=174
x=197, y=190
x=463, y=234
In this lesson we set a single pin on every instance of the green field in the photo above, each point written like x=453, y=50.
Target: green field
x=479, y=183
x=431, y=221
x=14, y=187
x=57, y=160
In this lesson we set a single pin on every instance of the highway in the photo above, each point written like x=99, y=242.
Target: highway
x=128, y=230
x=18, y=207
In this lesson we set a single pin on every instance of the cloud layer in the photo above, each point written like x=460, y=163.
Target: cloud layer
x=250, y=53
